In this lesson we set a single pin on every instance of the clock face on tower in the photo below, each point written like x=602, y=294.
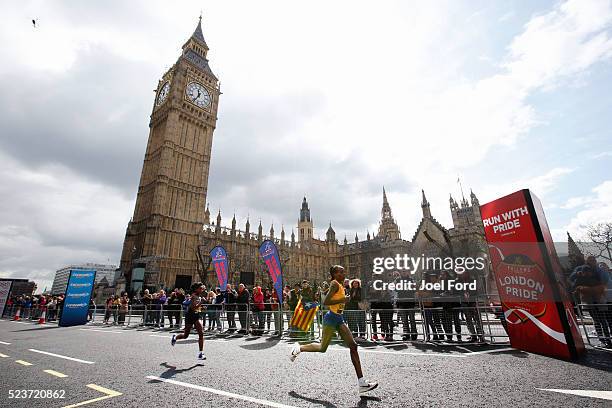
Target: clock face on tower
x=197, y=94
x=163, y=93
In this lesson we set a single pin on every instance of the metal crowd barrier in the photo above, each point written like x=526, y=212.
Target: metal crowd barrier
x=596, y=322
x=479, y=321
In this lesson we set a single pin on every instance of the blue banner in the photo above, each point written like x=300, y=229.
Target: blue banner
x=269, y=253
x=76, y=300
x=218, y=256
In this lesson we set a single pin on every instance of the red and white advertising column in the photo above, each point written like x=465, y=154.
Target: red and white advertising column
x=529, y=278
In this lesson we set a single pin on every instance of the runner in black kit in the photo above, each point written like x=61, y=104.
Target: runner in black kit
x=192, y=318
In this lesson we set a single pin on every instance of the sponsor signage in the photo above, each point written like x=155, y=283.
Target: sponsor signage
x=76, y=299
x=536, y=304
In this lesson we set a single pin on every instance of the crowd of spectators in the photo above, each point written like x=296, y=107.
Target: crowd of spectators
x=445, y=313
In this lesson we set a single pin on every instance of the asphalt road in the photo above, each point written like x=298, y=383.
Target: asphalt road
x=145, y=370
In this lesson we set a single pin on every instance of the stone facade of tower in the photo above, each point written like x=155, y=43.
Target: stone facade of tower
x=162, y=236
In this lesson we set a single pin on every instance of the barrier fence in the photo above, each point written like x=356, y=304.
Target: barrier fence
x=426, y=321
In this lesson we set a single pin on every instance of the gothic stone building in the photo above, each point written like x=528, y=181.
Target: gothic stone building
x=169, y=236
x=310, y=258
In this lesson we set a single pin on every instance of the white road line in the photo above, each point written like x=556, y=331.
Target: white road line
x=104, y=331
x=223, y=393
x=3, y=355
x=492, y=351
x=78, y=360
x=607, y=395
x=4, y=342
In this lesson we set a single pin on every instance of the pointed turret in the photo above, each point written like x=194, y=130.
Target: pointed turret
x=196, y=41
x=387, y=229
x=207, y=215
x=234, y=223
x=356, y=238
x=282, y=234
x=247, y=227
x=345, y=240
x=386, y=208
x=331, y=234
x=425, y=205
x=198, y=35
x=272, y=231
x=292, y=237
x=473, y=198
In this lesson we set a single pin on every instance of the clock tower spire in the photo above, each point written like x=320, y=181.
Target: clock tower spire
x=162, y=237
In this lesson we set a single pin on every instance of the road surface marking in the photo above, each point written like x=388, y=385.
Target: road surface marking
x=109, y=394
x=607, y=395
x=3, y=355
x=4, y=342
x=222, y=393
x=78, y=360
x=103, y=331
x=55, y=373
x=25, y=363
x=492, y=351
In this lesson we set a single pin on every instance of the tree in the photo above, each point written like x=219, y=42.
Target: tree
x=600, y=240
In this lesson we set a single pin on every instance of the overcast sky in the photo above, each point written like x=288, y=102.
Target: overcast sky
x=328, y=99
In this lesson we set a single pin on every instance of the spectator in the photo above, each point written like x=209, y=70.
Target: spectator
x=160, y=302
x=123, y=308
x=469, y=307
x=258, y=309
x=590, y=283
x=108, y=309
x=242, y=299
x=406, y=305
x=219, y=300
x=355, y=316
x=211, y=310
x=146, y=300
x=267, y=308
x=230, y=307
x=174, y=307
x=450, y=308
x=275, y=310
x=433, y=329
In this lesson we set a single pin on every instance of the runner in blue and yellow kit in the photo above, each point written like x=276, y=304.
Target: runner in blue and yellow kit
x=333, y=322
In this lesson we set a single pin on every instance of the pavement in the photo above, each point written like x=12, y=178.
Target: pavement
x=101, y=366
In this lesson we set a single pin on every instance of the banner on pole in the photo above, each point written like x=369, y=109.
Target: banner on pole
x=76, y=300
x=536, y=304
x=218, y=257
x=269, y=254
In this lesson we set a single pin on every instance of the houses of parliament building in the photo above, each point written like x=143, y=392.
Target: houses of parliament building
x=169, y=237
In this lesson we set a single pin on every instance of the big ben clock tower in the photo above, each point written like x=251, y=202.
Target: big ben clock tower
x=162, y=236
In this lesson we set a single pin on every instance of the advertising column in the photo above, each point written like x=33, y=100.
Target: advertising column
x=76, y=300
x=537, y=307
